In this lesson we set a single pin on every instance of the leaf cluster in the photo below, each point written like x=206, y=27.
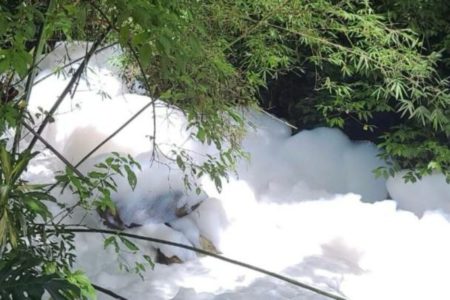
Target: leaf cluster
x=21, y=278
x=32, y=260
x=362, y=65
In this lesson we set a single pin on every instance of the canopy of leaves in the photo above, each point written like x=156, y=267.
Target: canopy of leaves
x=208, y=57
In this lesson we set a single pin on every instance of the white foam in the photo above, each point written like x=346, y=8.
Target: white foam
x=430, y=193
x=295, y=209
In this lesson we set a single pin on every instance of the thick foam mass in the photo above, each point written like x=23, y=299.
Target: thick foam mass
x=306, y=206
x=430, y=193
x=323, y=158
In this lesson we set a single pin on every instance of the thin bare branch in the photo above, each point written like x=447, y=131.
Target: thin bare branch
x=211, y=254
x=141, y=69
x=73, y=62
x=69, y=87
x=108, y=292
x=115, y=132
x=279, y=120
x=56, y=152
x=147, y=87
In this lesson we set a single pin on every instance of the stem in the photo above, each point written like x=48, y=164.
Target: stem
x=68, y=88
x=204, y=252
x=115, y=132
x=32, y=73
x=147, y=87
x=59, y=155
x=141, y=69
x=279, y=120
x=107, y=139
x=108, y=292
x=71, y=63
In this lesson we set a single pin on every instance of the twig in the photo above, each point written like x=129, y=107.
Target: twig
x=147, y=87
x=69, y=86
x=279, y=120
x=99, y=146
x=56, y=152
x=107, y=139
x=204, y=252
x=73, y=62
x=61, y=157
x=141, y=69
x=115, y=132
x=108, y=292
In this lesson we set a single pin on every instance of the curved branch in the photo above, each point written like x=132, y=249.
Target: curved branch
x=204, y=252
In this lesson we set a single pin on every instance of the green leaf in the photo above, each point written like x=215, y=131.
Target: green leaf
x=433, y=165
x=145, y=53
x=130, y=245
x=164, y=44
x=5, y=160
x=21, y=165
x=201, y=134
x=149, y=261
x=131, y=176
x=37, y=207
x=180, y=163
x=198, y=190
x=40, y=196
x=109, y=241
x=79, y=279
x=96, y=174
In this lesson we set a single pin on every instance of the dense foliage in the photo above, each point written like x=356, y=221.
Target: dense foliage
x=210, y=58
x=365, y=69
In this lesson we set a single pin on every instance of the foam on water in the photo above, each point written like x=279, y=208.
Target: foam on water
x=430, y=193
x=306, y=206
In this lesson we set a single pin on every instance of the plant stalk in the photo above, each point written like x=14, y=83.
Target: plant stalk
x=69, y=87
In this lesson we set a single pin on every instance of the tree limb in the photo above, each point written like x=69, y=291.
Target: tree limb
x=201, y=251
